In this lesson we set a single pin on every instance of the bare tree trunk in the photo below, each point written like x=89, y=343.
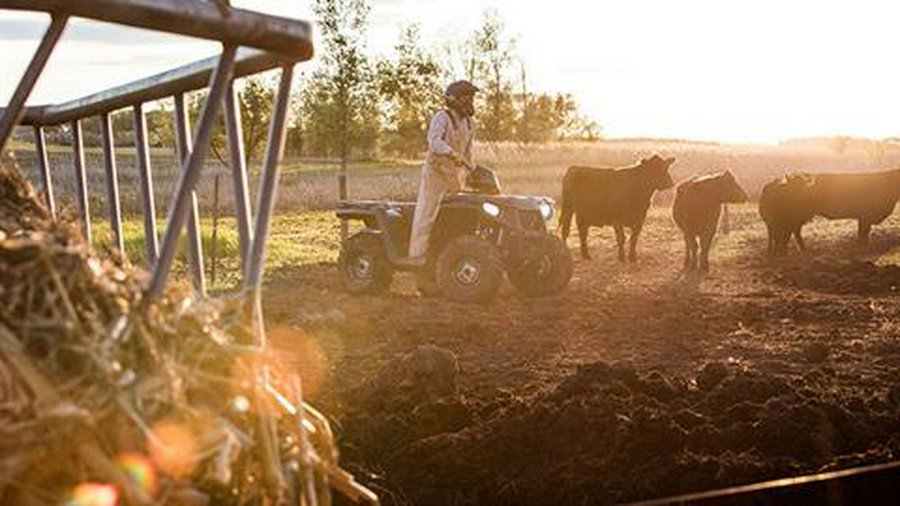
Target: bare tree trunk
x=526, y=128
x=344, y=173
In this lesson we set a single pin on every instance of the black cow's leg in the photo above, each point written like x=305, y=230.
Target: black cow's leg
x=620, y=241
x=632, y=242
x=687, y=251
x=692, y=246
x=705, y=245
x=695, y=245
x=799, y=238
x=583, y=229
x=864, y=229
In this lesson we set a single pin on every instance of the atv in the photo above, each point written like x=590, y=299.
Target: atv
x=479, y=236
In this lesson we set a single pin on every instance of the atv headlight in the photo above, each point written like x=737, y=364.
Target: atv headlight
x=491, y=209
x=546, y=210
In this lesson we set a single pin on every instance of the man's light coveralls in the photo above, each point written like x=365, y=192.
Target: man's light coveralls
x=448, y=134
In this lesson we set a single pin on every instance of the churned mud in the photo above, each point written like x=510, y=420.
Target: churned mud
x=640, y=381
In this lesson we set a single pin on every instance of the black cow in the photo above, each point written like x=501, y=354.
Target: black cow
x=784, y=207
x=617, y=197
x=697, y=209
x=788, y=203
x=868, y=198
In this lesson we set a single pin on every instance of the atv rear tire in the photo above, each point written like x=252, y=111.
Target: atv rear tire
x=549, y=275
x=469, y=269
x=364, y=265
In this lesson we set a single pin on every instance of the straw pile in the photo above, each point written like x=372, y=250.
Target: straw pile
x=101, y=397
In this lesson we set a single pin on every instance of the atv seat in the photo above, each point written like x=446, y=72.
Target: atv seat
x=393, y=218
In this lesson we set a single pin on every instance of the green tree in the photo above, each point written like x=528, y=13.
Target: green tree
x=410, y=89
x=256, y=95
x=489, y=65
x=548, y=117
x=339, y=103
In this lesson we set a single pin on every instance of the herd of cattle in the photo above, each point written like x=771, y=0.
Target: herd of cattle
x=620, y=197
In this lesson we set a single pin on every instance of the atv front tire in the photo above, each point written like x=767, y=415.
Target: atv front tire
x=549, y=275
x=364, y=265
x=469, y=269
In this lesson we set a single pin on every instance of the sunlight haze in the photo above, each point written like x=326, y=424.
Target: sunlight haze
x=730, y=71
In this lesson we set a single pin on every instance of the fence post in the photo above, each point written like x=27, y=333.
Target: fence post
x=141, y=143
x=40, y=147
x=81, y=179
x=195, y=244
x=112, y=182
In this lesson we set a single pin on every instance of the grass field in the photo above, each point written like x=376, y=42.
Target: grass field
x=304, y=232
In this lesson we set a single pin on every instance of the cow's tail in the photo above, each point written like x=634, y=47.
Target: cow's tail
x=568, y=208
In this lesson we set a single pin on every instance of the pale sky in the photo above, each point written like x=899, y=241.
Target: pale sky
x=746, y=71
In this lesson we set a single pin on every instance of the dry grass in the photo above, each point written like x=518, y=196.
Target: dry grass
x=311, y=185
x=526, y=169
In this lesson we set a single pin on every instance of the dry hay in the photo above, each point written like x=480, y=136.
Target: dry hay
x=95, y=388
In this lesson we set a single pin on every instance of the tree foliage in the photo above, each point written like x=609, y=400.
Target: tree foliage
x=256, y=95
x=489, y=64
x=339, y=103
x=410, y=90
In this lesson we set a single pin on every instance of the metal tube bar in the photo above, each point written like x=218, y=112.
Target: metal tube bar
x=239, y=175
x=40, y=147
x=81, y=179
x=195, y=245
x=173, y=82
x=151, y=240
x=192, y=167
x=269, y=184
x=193, y=18
x=112, y=182
x=12, y=115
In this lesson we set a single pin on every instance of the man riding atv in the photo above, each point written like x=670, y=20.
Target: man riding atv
x=462, y=237
x=451, y=135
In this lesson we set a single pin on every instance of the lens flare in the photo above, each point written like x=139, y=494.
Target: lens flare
x=141, y=472
x=172, y=448
x=94, y=494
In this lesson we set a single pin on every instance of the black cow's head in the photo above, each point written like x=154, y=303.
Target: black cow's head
x=731, y=190
x=657, y=168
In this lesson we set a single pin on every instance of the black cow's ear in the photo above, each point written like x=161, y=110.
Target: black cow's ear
x=670, y=160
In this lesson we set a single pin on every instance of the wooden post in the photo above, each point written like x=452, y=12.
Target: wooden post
x=213, y=248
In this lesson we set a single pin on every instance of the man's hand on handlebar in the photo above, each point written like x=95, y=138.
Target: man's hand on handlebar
x=462, y=161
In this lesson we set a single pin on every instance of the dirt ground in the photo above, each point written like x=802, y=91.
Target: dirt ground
x=637, y=382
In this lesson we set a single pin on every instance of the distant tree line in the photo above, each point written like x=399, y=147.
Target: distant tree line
x=354, y=106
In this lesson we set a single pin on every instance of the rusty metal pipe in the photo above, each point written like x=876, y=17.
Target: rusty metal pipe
x=112, y=182
x=192, y=167
x=239, y=176
x=40, y=148
x=151, y=240
x=195, y=244
x=13, y=113
x=269, y=180
x=81, y=179
x=193, y=18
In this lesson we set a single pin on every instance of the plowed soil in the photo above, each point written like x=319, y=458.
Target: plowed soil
x=639, y=381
